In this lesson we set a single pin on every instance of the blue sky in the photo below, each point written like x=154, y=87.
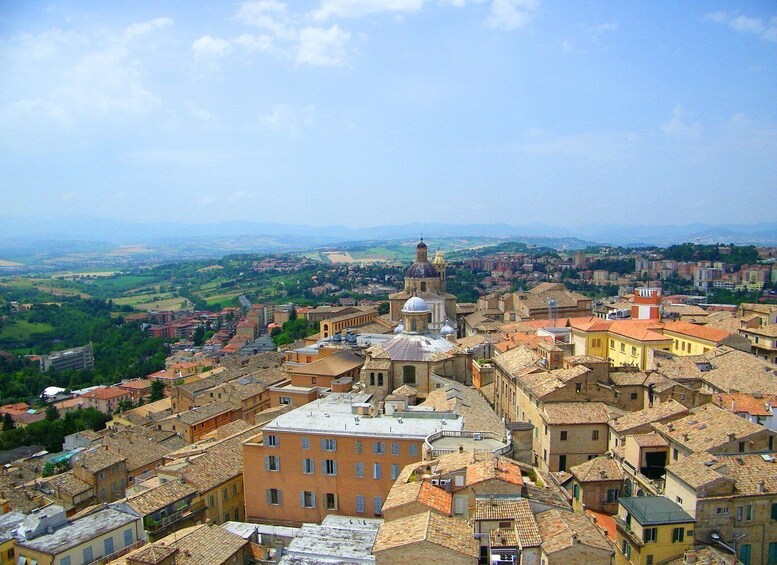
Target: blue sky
x=365, y=112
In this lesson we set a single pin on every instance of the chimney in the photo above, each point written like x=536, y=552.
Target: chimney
x=689, y=558
x=602, y=474
x=492, y=500
x=732, y=436
x=670, y=427
x=761, y=486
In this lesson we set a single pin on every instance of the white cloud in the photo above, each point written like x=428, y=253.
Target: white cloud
x=601, y=28
x=198, y=113
x=322, y=47
x=254, y=43
x=512, y=14
x=207, y=47
x=270, y=15
x=361, y=8
x=287, y=119
x=679, y=129
x=744, y=24
x=143, y=28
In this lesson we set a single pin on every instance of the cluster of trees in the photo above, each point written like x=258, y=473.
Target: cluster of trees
x=694, y=252
x=293, y=330
x=51, y=432
x=620, y=266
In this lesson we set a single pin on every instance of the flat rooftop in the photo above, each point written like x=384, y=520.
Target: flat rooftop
x=339, y=539
x=469, y=444
x=332, y=415
x=649, y=510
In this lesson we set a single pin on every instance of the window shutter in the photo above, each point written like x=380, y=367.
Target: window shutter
x=323, y=445
x=268, y=495
x=266, y=462
x=313, y=499
x=302, y=498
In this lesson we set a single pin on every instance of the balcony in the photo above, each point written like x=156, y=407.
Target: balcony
x=155, y=527
x=450, y=441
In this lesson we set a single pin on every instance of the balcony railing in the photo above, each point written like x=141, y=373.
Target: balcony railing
x=180, y=514
x=116, y=554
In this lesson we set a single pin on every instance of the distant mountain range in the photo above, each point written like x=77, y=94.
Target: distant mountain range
x=37, y=239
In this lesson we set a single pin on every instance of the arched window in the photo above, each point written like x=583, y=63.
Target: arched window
x=413, y=325
x=380, y=379
x=408, y=375
x=423, y=287
x=372, y=379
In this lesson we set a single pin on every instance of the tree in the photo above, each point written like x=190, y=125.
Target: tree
x=157, y=391
x=198, y=338
x=8, y=423
x=52, y=413
x=292, y=314
x=383, y=308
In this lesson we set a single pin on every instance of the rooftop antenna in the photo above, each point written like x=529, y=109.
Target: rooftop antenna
x=552, y=312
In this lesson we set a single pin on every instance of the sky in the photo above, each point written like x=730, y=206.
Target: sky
x=370, y=112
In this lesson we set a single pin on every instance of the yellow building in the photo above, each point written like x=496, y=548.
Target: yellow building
x=623, y=342
x=693, y=339
x=651, y=529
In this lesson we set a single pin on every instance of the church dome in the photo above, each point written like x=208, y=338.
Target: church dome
x=438, y=259
x=399, y=329
x=447, y=330
x=415, y=304
x=421, y=245
x=423, y=270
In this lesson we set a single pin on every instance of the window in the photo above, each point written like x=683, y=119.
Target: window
x=595, y=434
x=359, y=504
x=623, y=348
x=675, y=453
x=563, y=436
x=394, y=471
x=234, y=489
x=412, y=450
x=271, y=463
x=749, y=512
x=379, y=447
x=741, y=447
x=328, y=445
x=88, y=556
x=648, y=560
x=394, y=449
x=626, y=549
x=772, y=557
x=774, y=511
x=330, y=467
x=226, y=516
x=127, y=537
x=330, y=501
x=612, y=495
x=408, y=375
x=308, y=466
x=678, y=535
x=305, y=443
x=307, y=499
x=578, y=387
x=272, y=440
x=380, y=379
x=722, y=511
x=745, y=553
x=612, y=344
x=359, y=470
x=633, y=351
x=357, y=446
x=237, y=514
x=562, y=462
x=650, y=534
x=377, y=505
x=377, y=471
x=372, y=379
x=273, y=496
x=633, y=395
x=224, y=494
x=63, y=561
x=285, y=400
x=576, y=491
x=108, y=543
x=678, y=500
x=212, y=500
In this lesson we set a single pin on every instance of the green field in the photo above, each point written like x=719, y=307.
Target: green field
x=21, y=330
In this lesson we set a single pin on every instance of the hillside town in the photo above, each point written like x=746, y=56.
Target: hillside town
x=535, y=425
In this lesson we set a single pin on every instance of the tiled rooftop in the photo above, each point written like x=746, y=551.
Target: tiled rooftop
x=561, y=529
x=160, y=497
x=206, y=544
x=579, y=413
x=745, y=470
x=600, y=468
x=707, y=427
x=450, y=533
x=663, y=411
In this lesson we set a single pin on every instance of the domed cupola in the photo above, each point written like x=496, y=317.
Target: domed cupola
x=415, y=315
x=421, y=269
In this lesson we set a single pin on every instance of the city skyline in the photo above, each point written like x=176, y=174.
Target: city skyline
x=374, y=112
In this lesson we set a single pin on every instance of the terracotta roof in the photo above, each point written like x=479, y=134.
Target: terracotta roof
x=498, y=507
x=650, y=440
x=707, y=427
x=331, y=365
x=542, y=383
x=450, y=533
x=206, y=544
x=745, y=471
x=468, y=403
x=499, y=468
x=661, y=412
x=561, y=530
x=600, y=468
x=106, y=393
x=516, y=359
x=98, y=458
x=68, y=483
x=435, y=498
x=201, y=413
x=639, y=330
x=745, y=403
x=578, y=413
x=706, y=333
x=503, y=538
x=703, y=555
x=160, y=497
x=526, y=526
